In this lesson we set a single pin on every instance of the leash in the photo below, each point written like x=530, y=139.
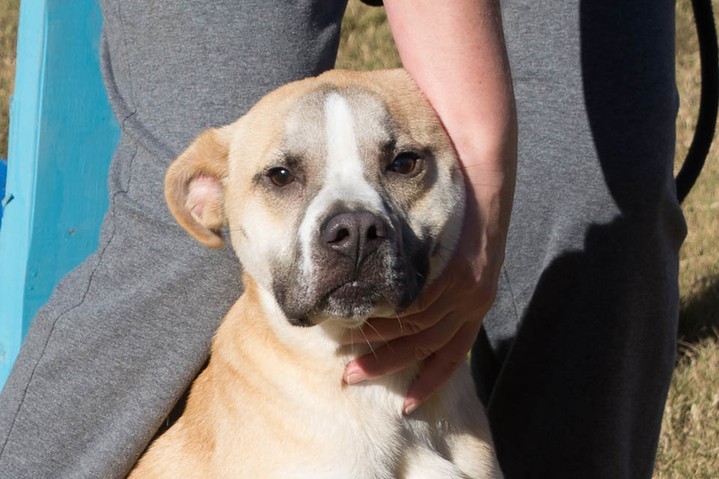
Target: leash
x=709, y=99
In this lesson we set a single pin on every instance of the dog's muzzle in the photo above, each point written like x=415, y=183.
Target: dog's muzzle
x=355, y=258
x=359, y=267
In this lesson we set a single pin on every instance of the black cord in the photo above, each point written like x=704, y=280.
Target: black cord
x=709, y=102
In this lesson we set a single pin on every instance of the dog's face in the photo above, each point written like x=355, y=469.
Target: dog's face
x=342, y=194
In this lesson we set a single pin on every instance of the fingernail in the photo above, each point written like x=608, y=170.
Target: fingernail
x=353, y=378
x=410, y=406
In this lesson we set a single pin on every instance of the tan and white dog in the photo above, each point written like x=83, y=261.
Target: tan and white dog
x=343, y=199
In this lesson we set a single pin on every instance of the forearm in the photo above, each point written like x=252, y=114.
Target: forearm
x=455, y=52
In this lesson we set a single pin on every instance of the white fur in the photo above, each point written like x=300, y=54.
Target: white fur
x=344, y=175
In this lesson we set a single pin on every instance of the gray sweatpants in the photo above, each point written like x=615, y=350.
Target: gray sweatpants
x=577, y=352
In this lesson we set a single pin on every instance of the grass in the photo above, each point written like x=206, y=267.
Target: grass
x=699, y=259
x=689, y=445
x=8, y=32
x=366, y=42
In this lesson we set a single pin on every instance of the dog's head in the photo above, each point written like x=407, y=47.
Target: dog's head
x=342, y=194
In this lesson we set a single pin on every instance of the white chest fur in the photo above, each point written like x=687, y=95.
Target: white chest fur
x=285, y=412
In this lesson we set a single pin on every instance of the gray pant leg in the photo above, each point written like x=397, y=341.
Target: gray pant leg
x=579, y=347
x=124, y=333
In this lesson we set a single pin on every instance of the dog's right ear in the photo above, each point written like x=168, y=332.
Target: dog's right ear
x=194, y=188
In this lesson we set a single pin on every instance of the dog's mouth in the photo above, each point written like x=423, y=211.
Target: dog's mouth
x=353, y=299
x=351, y=291
x=386, y=281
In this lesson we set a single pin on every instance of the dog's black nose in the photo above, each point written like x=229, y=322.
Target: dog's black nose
x=354, y=234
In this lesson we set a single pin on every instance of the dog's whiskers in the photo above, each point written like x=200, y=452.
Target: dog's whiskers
x=384, y=341
x=399, y=322
x=352, y=341
x=370, y=345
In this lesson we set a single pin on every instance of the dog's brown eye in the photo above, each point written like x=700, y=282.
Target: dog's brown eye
x=404, y=164
x=280, y=176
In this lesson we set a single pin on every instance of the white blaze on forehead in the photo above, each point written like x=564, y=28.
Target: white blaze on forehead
x=344, y=179
x=345, y=176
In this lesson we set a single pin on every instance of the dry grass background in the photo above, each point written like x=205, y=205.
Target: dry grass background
x=8, y=32
x=689, y=445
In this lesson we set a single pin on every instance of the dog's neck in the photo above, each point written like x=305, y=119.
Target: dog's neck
x=331, y=337
x=260, y=334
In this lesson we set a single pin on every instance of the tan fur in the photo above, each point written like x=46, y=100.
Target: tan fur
x=206, y=156
x=271, y=402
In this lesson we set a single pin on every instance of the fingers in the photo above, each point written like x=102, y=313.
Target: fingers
x=440, y=358
x=470, y=306
x=438, y=367
x=387, y=329
x=436, y=333
x=429, y=308
x=402, y=352
x=429, y=296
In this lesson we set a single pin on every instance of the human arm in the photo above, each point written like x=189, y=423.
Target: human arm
x=455, y=52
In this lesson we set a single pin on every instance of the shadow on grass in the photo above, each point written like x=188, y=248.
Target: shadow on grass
x=699, y=317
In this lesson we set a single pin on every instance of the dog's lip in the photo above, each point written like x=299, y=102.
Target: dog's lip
x=353, y=293
x=352, y=289
x=349, y=286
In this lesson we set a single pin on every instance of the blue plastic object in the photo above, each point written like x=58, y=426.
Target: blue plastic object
x=62, y=136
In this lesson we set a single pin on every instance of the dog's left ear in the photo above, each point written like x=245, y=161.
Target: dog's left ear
x=194, y=188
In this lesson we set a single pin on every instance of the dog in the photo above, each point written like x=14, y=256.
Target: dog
x=343, y=199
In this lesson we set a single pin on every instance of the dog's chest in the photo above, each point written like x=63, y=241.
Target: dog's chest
x=275, y=411
x=369, y=443
x=353, y=432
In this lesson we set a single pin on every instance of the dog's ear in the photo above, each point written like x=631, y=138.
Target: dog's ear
x=194, y=188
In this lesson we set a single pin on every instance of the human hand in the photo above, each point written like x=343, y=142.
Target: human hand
x=455, y=53
x=440, y=328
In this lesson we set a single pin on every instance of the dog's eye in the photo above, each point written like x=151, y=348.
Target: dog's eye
x=404, y=164
x=280, y=176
